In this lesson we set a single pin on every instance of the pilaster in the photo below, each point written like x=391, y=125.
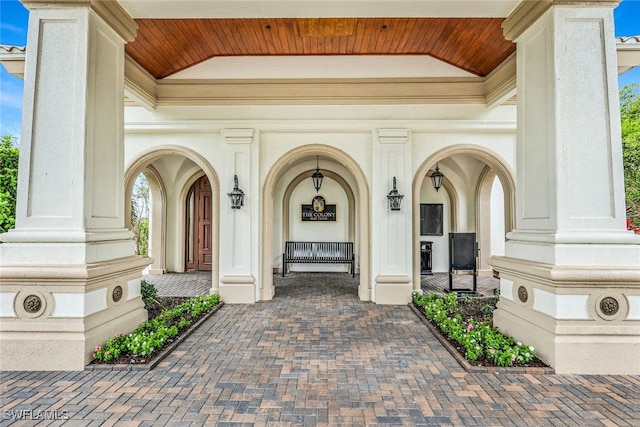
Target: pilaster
x=392, y=237
x=237, y=284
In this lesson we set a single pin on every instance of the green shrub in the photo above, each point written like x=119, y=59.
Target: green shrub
x=477, y=338
x=8, y=182
x=149, y=293
x=152, y=335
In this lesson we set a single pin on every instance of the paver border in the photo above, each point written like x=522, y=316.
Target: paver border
x=472, y=368
x=164, y=353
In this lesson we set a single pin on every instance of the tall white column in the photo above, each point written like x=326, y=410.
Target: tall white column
x=237, y=284
x=391, y=238
x=570, y=281
x=69, y=277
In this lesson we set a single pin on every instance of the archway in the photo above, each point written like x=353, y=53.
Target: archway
x=361, y=205
x=145, y=161
x=489, y=218
x=495, y=163
x=328, y=174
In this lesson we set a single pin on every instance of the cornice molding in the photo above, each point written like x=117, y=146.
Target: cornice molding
x=528, y=11
x=495, y=89
x=523, y=16
x=500, y=84
x=117, y=18
x=109, y=10
x=139, y=85
x=328, y=92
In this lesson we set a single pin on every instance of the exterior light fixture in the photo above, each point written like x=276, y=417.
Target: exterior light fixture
x=394, y=197
x=317, y=176
x=237, y=195
x=436, y=178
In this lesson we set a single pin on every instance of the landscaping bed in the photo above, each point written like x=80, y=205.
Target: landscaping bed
x=171, y=320
x=465, y=327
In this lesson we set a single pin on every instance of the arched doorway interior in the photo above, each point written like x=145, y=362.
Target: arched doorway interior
x=474, y=203
x=361, y=208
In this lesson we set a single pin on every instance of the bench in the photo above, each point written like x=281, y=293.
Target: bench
x=318, y=252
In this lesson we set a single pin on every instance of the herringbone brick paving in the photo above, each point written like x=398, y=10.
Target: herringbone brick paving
x=316, y=355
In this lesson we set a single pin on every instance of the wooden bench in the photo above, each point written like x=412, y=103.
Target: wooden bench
x=318, y=252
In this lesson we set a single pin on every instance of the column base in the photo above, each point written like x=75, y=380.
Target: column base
x=393, y=290
x=238, y=289
x=581, y=320
x=53, y=317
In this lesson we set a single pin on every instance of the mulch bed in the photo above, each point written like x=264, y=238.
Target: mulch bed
x=131, y=362
x=481, y=310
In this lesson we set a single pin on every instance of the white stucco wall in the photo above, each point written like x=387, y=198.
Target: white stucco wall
x=353, y=130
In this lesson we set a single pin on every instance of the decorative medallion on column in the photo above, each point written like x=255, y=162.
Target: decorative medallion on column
x=523, y=294
x=609, y=307
x=117, y=293
x=31, y=304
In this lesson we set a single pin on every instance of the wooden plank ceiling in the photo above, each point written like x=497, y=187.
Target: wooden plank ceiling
x=166, y=46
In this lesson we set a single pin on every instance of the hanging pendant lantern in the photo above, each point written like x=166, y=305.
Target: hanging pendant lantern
x=317, y=176
x=436, y=178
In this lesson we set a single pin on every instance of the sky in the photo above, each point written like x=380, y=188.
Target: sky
x=13, y=31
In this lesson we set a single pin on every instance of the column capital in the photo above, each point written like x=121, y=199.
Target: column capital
x=528, y=11
x=393, y=136
x=109, y=10
x=238, y=136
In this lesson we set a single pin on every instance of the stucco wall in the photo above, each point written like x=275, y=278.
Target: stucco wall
x=352, y=130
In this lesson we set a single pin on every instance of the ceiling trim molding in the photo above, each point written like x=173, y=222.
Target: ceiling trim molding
x=326, y=92
x=500, y=85
x=139, y=85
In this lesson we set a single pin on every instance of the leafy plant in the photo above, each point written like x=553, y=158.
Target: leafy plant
x=149, y=293
x=478, y=339
x=8, y=182
x=154, y=334
x=630, y=126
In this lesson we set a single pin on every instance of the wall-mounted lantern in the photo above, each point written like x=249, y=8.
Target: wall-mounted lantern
x=237, y=195
x=436, y=178
x=317, y=176
x=394, y=197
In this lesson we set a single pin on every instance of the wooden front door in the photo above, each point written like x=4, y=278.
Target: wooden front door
x=198, y=233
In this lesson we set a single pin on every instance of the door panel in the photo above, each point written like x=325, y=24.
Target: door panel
x=202, y=258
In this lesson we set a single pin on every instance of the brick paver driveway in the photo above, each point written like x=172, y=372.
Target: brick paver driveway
x=316, y=355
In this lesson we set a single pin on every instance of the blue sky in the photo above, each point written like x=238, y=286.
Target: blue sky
x=13, y=31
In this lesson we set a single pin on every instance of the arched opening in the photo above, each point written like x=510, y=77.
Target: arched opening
x=340, y=193
x=471, y=200
x=172, y=171
x=279, y=189
x=490, y=219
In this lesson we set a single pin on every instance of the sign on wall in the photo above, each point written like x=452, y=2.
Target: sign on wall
x=319, y=211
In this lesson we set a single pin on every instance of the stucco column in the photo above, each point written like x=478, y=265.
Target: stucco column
x=237, y=284
x=570, y=281
x=69, y=277
x=391, y=237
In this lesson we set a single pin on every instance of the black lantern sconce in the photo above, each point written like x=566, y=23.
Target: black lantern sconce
x=394, y=197
x=237, y=195
x=436, y=178
x=317, y=176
